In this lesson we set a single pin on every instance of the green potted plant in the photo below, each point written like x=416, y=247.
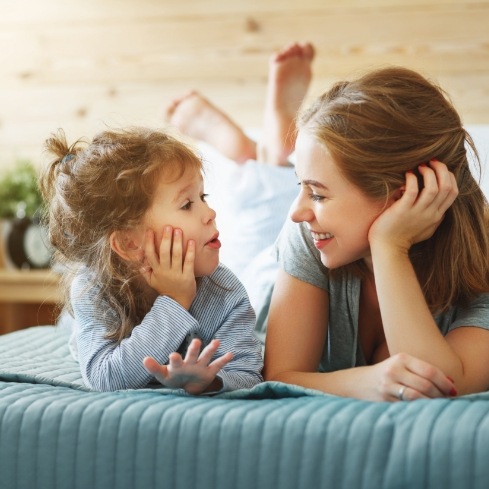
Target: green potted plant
x=24, y=241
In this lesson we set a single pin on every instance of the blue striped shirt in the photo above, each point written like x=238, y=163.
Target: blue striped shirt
x=220, y=310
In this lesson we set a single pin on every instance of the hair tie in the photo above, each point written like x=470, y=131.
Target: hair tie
x=67, y=158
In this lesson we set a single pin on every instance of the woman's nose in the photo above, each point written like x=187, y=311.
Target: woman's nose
x=300, y=211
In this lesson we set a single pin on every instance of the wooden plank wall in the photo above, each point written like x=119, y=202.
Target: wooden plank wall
x=80, y=64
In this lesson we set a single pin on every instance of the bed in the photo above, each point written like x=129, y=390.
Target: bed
x=57, y=433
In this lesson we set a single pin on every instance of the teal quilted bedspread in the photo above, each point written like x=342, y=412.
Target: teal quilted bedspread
x=55, y=433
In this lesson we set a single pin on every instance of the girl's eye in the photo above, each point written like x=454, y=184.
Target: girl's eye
x=203, y=197
x=187, y=206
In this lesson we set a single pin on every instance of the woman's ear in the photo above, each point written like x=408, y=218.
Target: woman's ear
x=124, y=245
x=397, y=194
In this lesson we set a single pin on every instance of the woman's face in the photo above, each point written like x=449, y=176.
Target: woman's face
x=338, y=214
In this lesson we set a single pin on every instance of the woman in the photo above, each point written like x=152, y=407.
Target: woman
x=384, y=281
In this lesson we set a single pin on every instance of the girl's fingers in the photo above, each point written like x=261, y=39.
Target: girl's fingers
x=151, y=365
x=165, y=247
x=188, y=264
x=221, y=362
x=209, y=351
x=149, y=248
x=177, y=250
x=193, y=351
x=160, y=372
x=175, y=360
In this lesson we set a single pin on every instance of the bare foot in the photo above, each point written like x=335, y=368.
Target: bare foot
x=288, y=81
x=198, y=118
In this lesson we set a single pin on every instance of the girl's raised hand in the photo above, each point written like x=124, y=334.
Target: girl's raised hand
x=196, y=373
x=403, y=377
x=416, y=215
x=170, y=271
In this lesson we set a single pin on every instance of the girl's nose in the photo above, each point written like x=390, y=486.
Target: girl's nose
x=300, y=211
x=209, y=215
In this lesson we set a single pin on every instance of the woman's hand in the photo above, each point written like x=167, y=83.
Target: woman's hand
x=196, y=373
x=403, y=377
x=416, y=215
x=169, y=271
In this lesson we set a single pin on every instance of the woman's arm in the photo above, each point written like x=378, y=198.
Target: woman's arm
x=408, y=322
x=463, y=354
x=296, y=335
x=296, y=331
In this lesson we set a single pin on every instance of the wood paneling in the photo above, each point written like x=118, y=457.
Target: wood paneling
x=81, y=64
x=28, y=298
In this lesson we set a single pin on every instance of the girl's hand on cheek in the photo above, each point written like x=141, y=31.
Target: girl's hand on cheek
x=171, y=272
x=416, y=215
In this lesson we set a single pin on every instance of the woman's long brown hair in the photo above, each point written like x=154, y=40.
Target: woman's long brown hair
x=388, y=122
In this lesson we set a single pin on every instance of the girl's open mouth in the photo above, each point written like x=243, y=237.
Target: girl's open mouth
x=214, y=243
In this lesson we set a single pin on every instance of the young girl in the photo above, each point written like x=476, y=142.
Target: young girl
x=384, y=280
x=128, y=218
x=262, y=190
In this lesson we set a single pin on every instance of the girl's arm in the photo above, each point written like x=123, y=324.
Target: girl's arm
x=236, y=336
x=232, y=360
x=408, y=323
x=296, y=335
x=107, y=365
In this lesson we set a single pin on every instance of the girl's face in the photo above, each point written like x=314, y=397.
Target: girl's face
x=338, y=214
x=181, y=204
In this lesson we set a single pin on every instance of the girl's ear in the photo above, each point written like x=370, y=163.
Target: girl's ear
x=124, y=245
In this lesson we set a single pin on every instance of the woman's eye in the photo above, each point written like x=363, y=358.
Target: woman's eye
x=187, y=206
x=316, y=197
x=203, y=197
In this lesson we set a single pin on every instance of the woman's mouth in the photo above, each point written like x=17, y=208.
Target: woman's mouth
x=321, y=239
x=321, y=236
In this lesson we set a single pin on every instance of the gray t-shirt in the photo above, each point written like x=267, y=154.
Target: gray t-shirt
x=299, y=257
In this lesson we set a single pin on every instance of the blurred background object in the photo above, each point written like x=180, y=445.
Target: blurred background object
x=23, y=241
x=82, y=64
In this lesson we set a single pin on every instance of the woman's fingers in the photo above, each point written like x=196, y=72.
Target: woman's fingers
x=447, y=185
x=440, y=187
x=419, y=379
x=430, y=379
